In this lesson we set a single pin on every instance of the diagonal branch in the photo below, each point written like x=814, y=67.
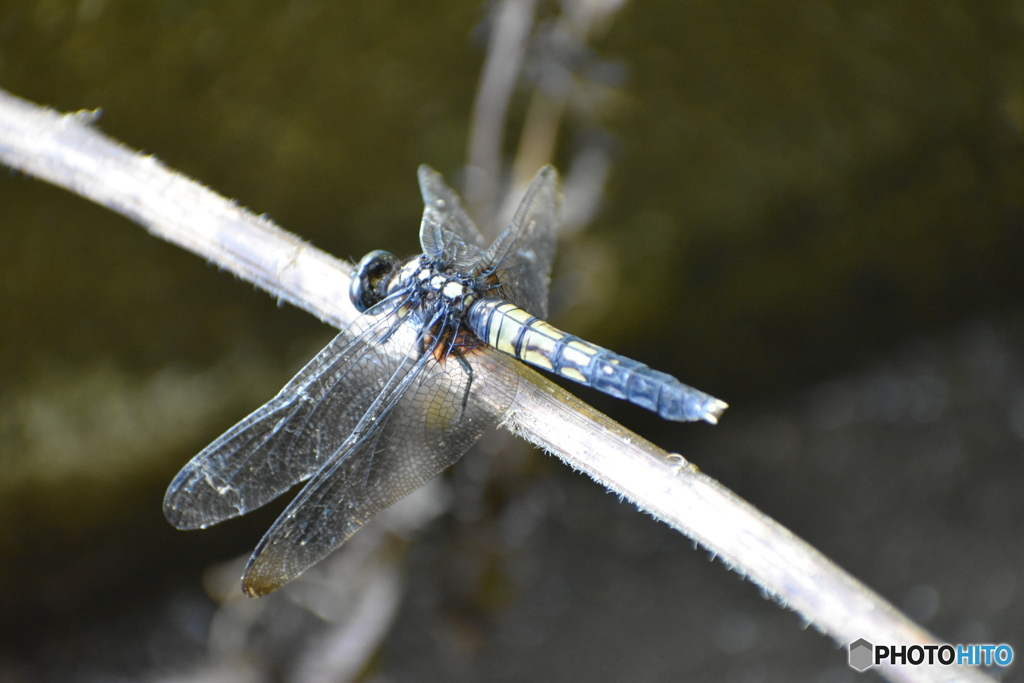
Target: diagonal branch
x=66, y=151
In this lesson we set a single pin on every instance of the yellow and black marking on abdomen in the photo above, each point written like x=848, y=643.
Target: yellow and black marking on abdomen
x=512, y=330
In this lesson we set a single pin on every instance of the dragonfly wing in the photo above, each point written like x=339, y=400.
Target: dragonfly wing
x=447, y=233
x=294, y=434
x=434, y=421
x=522, y=255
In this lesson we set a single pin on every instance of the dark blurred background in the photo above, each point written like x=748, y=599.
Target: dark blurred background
x=814, y=209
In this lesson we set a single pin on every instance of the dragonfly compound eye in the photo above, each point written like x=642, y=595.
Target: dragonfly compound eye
x=370, y=281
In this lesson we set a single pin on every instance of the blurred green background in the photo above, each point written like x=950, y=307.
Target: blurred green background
x=795, y=189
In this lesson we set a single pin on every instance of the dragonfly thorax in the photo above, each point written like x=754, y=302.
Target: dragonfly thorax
x=420, y=282
x=435, y=289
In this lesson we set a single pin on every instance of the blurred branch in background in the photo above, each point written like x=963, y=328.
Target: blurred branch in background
x=510, y=32
x=328, y=623
x=554, y=59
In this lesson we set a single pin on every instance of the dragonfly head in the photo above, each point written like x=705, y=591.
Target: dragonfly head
x=370, y=281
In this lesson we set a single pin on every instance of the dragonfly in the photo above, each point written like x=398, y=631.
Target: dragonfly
x=397, y=397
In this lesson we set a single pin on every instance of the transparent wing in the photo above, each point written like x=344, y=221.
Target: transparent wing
x=294, y=434
x=522, y=255
x=447, y=233
x=440, y=412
